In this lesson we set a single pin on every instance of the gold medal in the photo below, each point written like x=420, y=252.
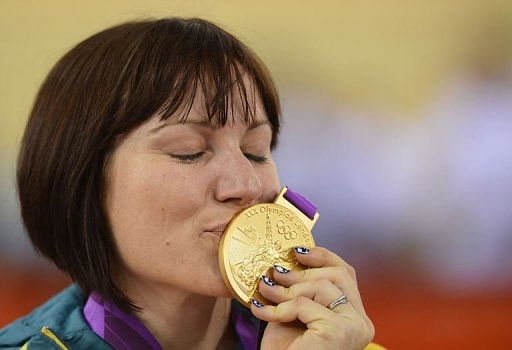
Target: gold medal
x=258, y=238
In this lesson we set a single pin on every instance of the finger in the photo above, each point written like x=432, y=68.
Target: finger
x=307, y=311
x=337, y=275
x=322, y=257
x=321, y=291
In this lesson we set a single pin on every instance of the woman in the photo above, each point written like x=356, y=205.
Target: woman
x=144, y=140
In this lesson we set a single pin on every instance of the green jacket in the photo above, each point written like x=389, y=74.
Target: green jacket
x=57, y=324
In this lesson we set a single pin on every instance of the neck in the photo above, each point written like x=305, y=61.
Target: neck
x=179, y=319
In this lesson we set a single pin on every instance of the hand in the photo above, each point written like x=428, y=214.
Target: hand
x=301, y=319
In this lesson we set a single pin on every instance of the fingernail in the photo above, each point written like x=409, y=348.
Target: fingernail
x=256, y=303
x=268, y=281
x=301, y=250
x=281, y=269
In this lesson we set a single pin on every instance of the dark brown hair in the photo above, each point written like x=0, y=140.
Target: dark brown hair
x=104, y=87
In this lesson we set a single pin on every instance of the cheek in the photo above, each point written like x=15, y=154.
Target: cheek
x=148, y=205
x=269, y=180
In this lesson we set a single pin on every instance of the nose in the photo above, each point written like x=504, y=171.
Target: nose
x=238, y=181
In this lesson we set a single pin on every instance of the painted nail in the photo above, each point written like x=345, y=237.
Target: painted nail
x=301, y=250
x=256, y=303
x=281, y=269
x=268, y=281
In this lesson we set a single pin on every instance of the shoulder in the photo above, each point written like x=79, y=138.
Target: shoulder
x=56, y=324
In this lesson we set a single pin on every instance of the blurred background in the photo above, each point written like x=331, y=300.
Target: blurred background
x=397, y=124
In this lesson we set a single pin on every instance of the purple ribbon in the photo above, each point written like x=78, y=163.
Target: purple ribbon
x=304, y=205
x=123, y=331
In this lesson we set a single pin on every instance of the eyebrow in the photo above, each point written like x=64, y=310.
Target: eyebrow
x=205, y=123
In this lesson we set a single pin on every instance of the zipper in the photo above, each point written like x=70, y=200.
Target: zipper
x=48, y=333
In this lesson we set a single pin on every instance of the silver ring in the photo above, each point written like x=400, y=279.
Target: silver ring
x=341, y=300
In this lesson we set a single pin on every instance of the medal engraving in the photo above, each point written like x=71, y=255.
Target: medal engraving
x=257, y=239
x=285, y=230
x=249, y=232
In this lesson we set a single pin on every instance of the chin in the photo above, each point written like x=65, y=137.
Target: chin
x=210, y=285
x=226, y=293
x=220, y=291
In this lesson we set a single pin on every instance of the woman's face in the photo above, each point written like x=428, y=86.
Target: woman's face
x=171, y=190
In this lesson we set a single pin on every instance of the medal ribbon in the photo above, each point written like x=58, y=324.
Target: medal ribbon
x=303, y=204
x=125, y=332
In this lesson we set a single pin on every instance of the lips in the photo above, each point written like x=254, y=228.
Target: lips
x=217, y=229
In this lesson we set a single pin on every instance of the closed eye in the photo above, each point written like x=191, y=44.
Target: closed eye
x=187, y=158
x=255, y=158
x=190, y=158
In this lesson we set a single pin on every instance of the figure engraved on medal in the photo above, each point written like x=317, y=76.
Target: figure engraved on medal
x=266, y=254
